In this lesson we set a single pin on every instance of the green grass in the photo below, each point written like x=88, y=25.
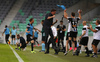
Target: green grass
x=7, y=55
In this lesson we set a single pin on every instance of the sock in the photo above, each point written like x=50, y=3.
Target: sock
x=12, y=41
x=75, y=44
x=95, y=53
x=70, y=43
x=87, y=51
x=79, y=48
x=31, y=46
x=43, y=46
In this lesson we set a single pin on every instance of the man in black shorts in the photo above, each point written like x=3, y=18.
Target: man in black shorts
x=7, y=33
x=30, y=34
x=84, y=39
x=22, y=43
x=73, y=22
x=61, y=33
x=13, y=35
x=96, y=37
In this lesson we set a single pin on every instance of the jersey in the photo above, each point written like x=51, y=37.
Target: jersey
x=43, y=33
x=73, y=22
x=13, y=32
x=96, y=35
x=85, y=28
x=61, y=27
x=7, y=31
x=30, y=28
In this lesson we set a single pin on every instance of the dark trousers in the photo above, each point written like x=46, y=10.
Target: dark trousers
x=48, y=31
x=60, y=39
x=53, y=44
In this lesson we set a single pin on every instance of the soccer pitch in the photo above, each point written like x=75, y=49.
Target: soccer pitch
x=7, y=55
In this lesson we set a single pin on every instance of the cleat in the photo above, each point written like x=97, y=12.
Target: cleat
x=33, y=52
x=65, y=53
x=94, y=56
x=87, y=56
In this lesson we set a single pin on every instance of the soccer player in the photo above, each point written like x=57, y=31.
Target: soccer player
x=30, y=34
x=43, y=38
x=22, y=42
x=61, y=33
x=47, y=26
x=73, y=22
x=96, y=37
x=13, y=35
x=54, y=30
x=84, y=39
x=7, y=32
x=36, y=36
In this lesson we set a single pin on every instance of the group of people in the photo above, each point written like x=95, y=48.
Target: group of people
x=50, y=34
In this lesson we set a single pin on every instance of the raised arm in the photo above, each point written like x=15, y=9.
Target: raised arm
x=93, y=30
x=80, y=14
x=65, y=14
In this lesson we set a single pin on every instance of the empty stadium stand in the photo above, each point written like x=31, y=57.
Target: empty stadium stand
x=5, y=6
x=37, y=9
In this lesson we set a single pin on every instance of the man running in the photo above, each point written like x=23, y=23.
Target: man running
x=30, y=34
x=7, y=33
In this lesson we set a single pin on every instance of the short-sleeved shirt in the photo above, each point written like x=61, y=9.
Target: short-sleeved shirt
x=22, y=40
x=13, y=32
x=85, y=28
x=48, y=22
x=7, y=31
x=73, y=22
x=43, y=33
x=30, y=28
x=60, y=27
x=96, y=35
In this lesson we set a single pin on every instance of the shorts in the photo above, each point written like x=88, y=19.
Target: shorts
x=73, y=34
x=23, y=45
x=68, y=35
x=43, y=38
x=84, y=41
x=29, y=38
x=7, y=36
x=95, y=42
x=35, y=38
x=13, y=36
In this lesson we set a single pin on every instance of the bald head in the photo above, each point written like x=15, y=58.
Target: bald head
x=84, y=22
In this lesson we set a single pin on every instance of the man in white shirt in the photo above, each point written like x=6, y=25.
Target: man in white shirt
x=54, y=31
x=96, y=37
x=84, y=39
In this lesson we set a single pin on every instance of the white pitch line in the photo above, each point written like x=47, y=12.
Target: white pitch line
x=17, y=56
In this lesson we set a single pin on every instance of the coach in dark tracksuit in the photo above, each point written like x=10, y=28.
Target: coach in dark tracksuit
x=61, y=33
x=47, y=27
